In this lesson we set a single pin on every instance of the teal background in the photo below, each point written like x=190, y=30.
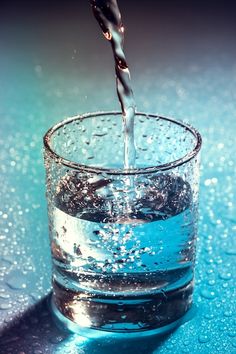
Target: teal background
x=54, y=63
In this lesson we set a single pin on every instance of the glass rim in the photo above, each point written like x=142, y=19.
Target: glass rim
x=121, y=171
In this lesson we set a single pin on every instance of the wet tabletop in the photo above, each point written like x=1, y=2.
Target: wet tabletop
x=54, y=63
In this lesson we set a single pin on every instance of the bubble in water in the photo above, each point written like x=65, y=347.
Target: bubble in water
x=141, y=324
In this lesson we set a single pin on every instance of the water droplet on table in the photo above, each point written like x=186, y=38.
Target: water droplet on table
x=228, y=313
x=203, y=338
x=57, y=339
x=4, y=296
x=225, y=275
x=5, y=306
x=231, y=252
x=232, y=333
x=208, y=293
x=233, y=343
x=16, y=280
x=209, y=316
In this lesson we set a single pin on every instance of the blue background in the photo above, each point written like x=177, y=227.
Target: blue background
x=55, y=63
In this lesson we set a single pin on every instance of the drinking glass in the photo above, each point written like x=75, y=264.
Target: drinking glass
x=122, y=240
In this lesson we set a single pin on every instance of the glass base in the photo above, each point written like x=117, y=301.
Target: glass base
x=67, y=325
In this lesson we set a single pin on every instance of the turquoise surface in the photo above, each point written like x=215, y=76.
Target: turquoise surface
x=50, y=69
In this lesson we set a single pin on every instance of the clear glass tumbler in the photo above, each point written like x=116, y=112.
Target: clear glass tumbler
x=122, y=241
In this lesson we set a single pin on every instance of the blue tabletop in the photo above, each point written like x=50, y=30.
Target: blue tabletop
x=54, y=63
